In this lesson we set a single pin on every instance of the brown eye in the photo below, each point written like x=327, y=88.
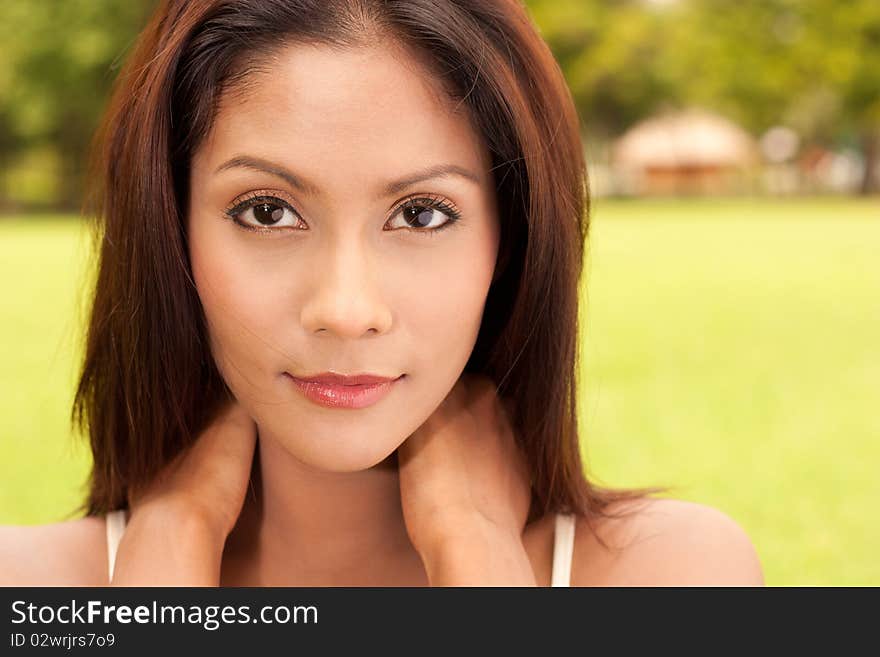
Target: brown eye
x=419, y=216
x=268, y=214
x=264, y=213
x=426, y=215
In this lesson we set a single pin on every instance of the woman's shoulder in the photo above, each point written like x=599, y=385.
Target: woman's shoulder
x=67, y=553
x=664, y=542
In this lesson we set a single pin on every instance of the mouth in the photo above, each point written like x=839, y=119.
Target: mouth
x=333, y=390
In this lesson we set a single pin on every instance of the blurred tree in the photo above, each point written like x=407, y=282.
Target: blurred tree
x=845, y=46
x=59, y=61
x=811, y=64
x=608, y=50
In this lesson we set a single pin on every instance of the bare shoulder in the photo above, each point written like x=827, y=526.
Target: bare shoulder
x=665, y=542
x=68, y=553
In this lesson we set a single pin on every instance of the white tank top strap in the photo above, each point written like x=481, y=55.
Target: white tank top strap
x=563, y=549
x=115, y=529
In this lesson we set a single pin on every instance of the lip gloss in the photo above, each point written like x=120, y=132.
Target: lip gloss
x=342, y=396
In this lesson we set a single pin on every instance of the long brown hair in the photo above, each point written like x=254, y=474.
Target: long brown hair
x=149, y=385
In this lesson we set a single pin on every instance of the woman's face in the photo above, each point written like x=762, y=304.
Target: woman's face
x=320, y=156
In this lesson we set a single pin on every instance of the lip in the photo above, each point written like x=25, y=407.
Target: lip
x=334, y=378
x=344, y=391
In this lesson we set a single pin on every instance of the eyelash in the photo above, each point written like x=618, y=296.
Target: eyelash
x=421, y=201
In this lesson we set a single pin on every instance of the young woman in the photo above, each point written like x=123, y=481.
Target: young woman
x=334, y=334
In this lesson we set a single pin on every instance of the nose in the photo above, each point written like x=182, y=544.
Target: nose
x=345, y=299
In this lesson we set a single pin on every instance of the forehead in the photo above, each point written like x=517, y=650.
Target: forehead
x=372, y=108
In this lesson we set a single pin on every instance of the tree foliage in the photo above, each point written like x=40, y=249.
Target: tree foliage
x=59, y=59
x=813, y=65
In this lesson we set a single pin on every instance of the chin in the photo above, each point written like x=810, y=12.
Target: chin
x=347, y=463
x=355, y=454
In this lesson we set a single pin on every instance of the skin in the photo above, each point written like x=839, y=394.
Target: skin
x=331, y=289
x=334, y=288
x=426, y=487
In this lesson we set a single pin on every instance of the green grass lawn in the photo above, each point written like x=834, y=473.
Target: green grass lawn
x=730, y=350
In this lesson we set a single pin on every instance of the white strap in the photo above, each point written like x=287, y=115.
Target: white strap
x=115, y=528
x=563, y=549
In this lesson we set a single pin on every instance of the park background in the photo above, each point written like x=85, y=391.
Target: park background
x=731, y=303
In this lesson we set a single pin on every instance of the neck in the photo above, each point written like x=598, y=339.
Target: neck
x=313, y=527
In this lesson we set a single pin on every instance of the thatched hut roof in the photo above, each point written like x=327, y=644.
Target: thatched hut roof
x=692, y=138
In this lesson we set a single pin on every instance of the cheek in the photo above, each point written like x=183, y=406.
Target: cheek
x=460, y=285
x=444, y=309
x=436, y=296
x=449, y=309
x=237, y=306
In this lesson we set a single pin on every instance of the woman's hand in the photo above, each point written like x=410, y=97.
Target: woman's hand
x=210, y=478
x=465, y=490
x=181, y=519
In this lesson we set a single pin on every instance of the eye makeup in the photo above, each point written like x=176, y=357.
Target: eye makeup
x=272, y=205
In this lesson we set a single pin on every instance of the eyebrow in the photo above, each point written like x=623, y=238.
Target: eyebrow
x=300, y=183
